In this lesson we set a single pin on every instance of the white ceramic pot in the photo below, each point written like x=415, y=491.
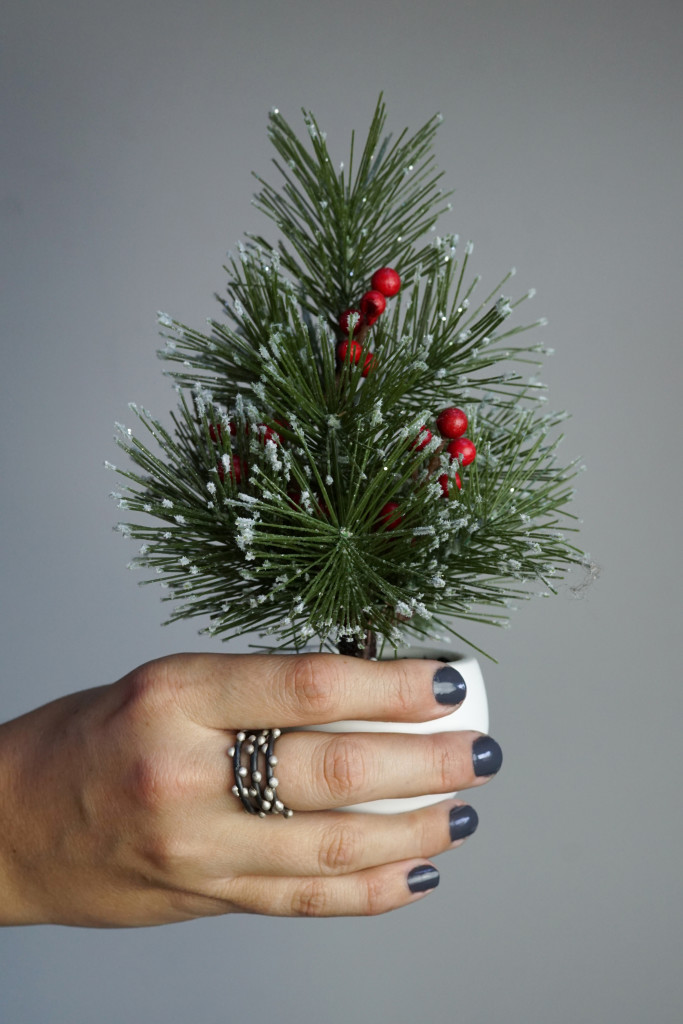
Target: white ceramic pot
x=473, y=714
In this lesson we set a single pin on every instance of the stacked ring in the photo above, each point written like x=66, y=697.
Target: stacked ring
x=259, y=765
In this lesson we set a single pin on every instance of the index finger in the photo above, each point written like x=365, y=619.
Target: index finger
x=232, y=691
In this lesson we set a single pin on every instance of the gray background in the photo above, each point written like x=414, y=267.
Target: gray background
x=129, y=131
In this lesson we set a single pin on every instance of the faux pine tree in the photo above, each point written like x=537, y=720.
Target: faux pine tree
x=359, y=457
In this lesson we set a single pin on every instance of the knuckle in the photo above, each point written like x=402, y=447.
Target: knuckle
x=447, y=763
x=310, y=685
x=374, y=896
x=156, y=782
x=343, y=769
x=427, y=833
x=310, y=898
x=148, y=688
x=339, y=849
x=166, y=853
x=406, y=697
x=147, y=783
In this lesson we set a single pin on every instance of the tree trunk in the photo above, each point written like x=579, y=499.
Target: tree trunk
x=359, y=647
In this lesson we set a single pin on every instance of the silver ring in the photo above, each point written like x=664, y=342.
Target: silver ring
x=254, y=763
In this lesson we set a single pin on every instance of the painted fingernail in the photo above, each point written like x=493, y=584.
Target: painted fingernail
x=423, y=879
x=462, y=822
x=487, y=757
x=449, y=686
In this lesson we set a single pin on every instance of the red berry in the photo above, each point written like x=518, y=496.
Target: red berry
x=344, y=321
x=443, y=480
x=373, y=305
x=463, y=450
x=387, y=516
x=238, y=469
x=386, y=281
x=451, y=423
x=352, y=349
x=422, y=439
x=369, y=364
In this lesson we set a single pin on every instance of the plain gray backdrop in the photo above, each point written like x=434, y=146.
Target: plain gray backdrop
x=129, y=133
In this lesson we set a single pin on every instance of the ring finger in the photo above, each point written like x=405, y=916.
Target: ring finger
x=335, y=843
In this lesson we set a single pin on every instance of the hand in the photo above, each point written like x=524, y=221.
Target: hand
x=119, y=812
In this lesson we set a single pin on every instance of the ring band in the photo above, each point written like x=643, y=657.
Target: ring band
x=253, y=760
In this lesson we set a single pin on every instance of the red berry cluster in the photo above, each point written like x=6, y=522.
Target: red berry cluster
x=451, y=423
x=385, y=283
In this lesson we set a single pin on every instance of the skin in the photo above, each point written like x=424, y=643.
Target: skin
x=116, y=809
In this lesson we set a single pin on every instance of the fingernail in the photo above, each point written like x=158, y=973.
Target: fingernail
x=423, y=879
x=487, y=757
x=462, y=822
x=449, y=686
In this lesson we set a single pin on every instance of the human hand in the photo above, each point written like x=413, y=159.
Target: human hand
x=117, y=808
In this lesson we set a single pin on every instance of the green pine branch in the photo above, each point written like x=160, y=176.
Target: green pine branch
x=264, y=507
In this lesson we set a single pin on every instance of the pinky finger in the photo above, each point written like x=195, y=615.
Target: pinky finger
x=365, y=893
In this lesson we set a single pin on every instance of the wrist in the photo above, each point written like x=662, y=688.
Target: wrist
x=16, y=905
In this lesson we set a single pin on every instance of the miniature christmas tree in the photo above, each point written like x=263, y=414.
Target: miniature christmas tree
x=354, y=458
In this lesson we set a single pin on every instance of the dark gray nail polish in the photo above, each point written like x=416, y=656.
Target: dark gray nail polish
x=423, y=879
x=449, y=686
x=487, y=757
x=462, y=822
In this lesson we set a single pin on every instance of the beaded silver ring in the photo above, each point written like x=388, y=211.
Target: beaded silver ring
x=251, y=770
